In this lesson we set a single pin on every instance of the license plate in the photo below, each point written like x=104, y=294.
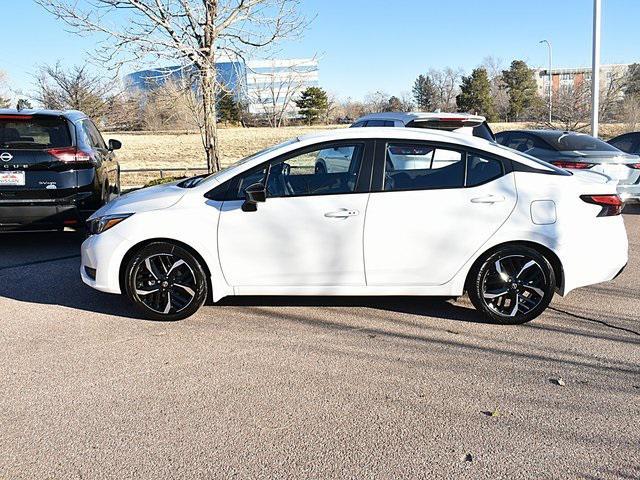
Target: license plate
x=13, y=179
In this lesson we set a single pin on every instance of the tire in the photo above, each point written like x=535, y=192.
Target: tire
x=320, y=167
x=512, y=285
x=174, y=279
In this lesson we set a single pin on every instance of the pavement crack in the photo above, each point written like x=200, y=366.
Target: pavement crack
x=594, y=320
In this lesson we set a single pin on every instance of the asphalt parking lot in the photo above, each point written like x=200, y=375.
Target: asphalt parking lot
x=311, y=387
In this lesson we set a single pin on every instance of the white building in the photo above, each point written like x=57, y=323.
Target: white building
x=272, y=85
x=566, y=79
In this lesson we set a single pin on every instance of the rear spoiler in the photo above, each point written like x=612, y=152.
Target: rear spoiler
x=448, y=122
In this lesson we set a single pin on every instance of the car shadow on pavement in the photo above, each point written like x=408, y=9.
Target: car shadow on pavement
x=44, y=268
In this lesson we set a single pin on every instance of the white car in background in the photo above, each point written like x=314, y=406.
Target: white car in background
x=416, y=212
x=337, y=159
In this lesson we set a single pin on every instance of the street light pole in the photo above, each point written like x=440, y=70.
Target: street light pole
x=595, y=70
x=550, y=80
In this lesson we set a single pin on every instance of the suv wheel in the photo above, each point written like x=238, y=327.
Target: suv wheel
x=165, y=282
x=513, y=285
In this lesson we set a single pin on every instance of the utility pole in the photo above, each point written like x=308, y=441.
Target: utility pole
x=595, y=69
x=550, y=80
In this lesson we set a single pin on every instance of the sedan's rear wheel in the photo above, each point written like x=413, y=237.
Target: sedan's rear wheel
x=165, y=282
x=513, y=285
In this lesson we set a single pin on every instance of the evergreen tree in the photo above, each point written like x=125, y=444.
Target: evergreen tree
x=394, y=104
x=475, y=94
x=229, y=109
x=521, y=86
x=313, y=104
x=632, y=89
x=424, y=93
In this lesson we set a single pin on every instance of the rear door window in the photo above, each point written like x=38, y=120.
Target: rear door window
x=422, y=167
x=33, y=132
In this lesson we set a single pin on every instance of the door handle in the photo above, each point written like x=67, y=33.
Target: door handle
x=342, y=213
x=488, y=199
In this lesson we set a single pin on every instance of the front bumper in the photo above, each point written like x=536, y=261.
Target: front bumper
x=102, y=256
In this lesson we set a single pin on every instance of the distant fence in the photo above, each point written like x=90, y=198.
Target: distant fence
x=137, y=177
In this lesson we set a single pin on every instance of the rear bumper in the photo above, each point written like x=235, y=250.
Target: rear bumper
x=37, y=214
x=601, y=259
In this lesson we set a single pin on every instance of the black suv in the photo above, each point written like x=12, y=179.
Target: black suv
x=55, y=169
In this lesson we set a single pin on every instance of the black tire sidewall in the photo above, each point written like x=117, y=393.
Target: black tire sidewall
x=158, y=248
x=474, y=288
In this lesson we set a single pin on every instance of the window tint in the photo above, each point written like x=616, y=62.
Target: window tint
x=576, y=141
x=482, y=170
x=502, y=138
x=358, y=124
x=92, y=134
x=380, y=123
x=34, y=133
x=326, y=171
x=418, y=167
x=624, y=143
x=521, y=143
x=241, y=182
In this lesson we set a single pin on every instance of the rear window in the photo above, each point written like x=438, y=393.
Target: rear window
x=578, y=141
x=481, y=131
x=33, y=132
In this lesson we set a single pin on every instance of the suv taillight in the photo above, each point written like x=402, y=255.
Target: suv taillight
x=611, y=204
x=70, y=155
x=574, y=165
x=635, y=166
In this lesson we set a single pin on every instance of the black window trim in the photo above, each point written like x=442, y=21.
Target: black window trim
x=380, y=163
x=363, y=179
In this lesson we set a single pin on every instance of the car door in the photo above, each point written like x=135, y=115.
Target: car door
x=428, y=218
x=308, y=232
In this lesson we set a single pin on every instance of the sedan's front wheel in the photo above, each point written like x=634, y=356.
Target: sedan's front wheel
x=513, y=285
x=165, y=282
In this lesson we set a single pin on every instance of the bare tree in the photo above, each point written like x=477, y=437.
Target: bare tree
x=75, y=88
x=446, y=83
x=494, y=67
x=5, y=101
x=194, y=32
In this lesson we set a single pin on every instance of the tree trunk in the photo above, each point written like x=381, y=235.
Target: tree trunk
x=208, y=79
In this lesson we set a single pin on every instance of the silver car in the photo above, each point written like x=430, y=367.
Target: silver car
x=578, y=151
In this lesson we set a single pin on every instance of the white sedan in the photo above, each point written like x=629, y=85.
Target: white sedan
x=412, y=212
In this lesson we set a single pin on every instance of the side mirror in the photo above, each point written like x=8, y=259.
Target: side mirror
x=254, y=194
x=115, y=144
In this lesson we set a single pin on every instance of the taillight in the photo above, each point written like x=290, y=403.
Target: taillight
x=611, y=204
x=574, y=165
x=635, y=166
x=70, y=155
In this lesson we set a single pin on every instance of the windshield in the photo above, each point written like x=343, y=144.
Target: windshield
x=578, y=141
x=33, y=133
x=194, y=181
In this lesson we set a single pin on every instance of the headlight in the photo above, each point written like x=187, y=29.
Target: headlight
x=102, y=224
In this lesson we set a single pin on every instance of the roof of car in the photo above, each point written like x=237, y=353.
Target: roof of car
x=70, y=114
x=407, y=117
x=395, y=133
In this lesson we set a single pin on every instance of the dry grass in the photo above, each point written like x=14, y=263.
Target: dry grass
x=180, y=150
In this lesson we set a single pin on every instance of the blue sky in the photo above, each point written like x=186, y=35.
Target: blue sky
x=368, y=45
